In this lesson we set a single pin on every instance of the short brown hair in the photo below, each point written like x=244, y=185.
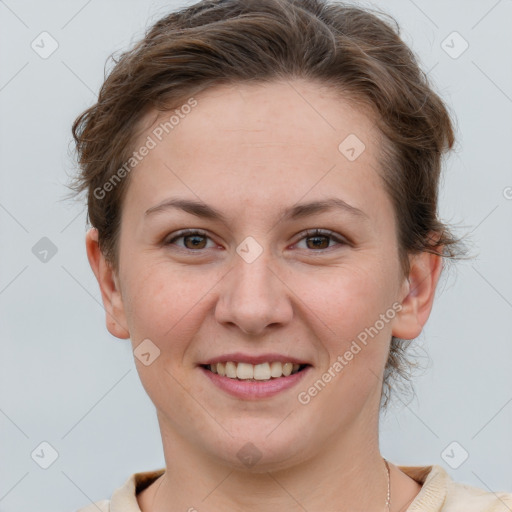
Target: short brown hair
x=357, y=51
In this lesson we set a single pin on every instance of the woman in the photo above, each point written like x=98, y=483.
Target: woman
x=262, y=181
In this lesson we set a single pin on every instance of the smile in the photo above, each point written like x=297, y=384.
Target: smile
x=255, y=372
x=249, y=377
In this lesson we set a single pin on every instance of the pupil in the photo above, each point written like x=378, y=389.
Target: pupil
x=195, y=239
x=317, y=238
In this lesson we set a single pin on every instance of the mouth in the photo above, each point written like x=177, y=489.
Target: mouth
x=254, y=377
x=254, y=372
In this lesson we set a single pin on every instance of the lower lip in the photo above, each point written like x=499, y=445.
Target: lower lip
x=248, y=390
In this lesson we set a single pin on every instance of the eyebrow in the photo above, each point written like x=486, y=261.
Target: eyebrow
x=298, y=211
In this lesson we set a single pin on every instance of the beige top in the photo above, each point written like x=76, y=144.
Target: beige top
x=439, y=493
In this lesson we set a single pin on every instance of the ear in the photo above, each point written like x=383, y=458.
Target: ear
x=419, y=291
x=108, y=282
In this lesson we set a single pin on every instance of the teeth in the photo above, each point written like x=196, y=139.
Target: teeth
x=262, y=371
x=276, y=369
x=246, y=371
x=231, y=370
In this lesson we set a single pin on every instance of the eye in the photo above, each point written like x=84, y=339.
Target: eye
x=192, y=238
x=195, y=240
x=320, y=239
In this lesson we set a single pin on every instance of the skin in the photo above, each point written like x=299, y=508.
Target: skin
x=249, y=151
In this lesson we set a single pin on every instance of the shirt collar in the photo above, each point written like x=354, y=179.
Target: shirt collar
x=433, y=480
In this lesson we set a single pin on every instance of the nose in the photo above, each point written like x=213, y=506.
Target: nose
x=254, y=297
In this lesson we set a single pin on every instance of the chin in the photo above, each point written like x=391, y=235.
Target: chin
x=260, y=446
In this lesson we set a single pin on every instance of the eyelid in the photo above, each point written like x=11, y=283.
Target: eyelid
x=308, y=233
x=341, y=241
x=184, y=233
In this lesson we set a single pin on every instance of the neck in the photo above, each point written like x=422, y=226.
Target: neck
x=351, y=478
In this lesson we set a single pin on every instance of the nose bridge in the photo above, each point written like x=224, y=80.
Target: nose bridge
x=252, y=296
x=254, y=277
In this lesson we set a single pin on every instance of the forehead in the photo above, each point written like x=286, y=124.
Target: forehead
x=262, y=145
x=296, y=112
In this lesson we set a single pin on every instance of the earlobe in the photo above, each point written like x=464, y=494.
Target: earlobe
x=107, y=281
x=419, y=295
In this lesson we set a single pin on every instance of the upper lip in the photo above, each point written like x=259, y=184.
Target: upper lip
x=239, y=357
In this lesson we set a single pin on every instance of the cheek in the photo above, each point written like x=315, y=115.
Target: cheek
x=166, y=303
x=357, y=339
x=349, y=300
x=155, y=303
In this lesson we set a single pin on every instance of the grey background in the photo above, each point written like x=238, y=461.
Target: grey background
x=65, y=380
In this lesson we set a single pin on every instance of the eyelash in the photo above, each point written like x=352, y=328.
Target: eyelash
x=310, y=233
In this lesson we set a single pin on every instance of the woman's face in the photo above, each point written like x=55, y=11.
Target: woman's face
x=253, y=286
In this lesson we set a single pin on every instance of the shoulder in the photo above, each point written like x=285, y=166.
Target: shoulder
x=440, y=493
x=464, y=497
x=99, y=506
x=124, y=498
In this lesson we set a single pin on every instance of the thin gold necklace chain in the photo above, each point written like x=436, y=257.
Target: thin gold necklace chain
x=388, y=499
